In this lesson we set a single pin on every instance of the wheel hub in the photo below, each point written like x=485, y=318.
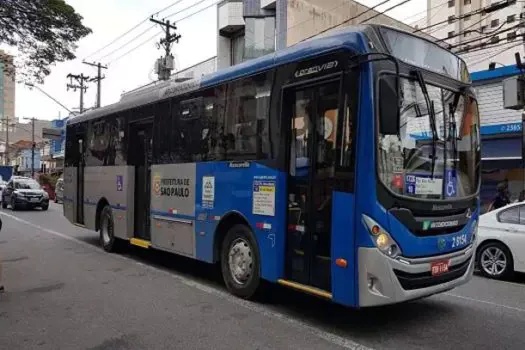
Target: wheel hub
x=240, y=261
x=493, y=261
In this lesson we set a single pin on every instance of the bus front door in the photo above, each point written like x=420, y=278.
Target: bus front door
x=80, y=180
x=141, y=134
x=313, y=111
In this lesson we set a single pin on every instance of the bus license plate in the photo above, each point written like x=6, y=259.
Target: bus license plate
x=439, y=267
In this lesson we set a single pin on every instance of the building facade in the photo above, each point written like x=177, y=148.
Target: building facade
x=477, y=36
x=501, y=133
x=7, y=88
x=252, y=28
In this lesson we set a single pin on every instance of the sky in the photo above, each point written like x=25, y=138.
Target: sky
x=110, y=18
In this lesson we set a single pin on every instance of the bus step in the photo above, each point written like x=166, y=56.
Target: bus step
x=79, y=225
x=140, y=243
x=305, y=288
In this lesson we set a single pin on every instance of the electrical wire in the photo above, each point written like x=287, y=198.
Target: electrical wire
x=504, y=3
x=132, y=29
x=340, y=24
x=496, y=54
x=419, y=13
x=158, y=33
x=487, y=38
x=385, y=11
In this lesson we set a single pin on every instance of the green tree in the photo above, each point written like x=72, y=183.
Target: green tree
x=43, y=31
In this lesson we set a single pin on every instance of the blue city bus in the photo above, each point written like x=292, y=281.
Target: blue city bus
x=347, y=167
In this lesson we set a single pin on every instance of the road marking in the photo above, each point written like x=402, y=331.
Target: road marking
x=486, y=302
x=330, y=337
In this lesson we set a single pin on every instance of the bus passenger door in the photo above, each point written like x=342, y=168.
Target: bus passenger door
x=81, y=140
x=141, y=137
x=313, y=112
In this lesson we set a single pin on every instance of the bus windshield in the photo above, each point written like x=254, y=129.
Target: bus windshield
x=432, y=159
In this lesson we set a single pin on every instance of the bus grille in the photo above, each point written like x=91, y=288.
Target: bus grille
x=411, y=281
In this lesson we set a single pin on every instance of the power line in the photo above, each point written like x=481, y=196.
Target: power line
x=340, y=24
x=489, y=36
x=158, y=33
x=491, y=47
x=464, y=31
x=383, y=12
x=149, y=29
x=496, y=54
x=419, y=13
x=132, y=29
x=487, y=9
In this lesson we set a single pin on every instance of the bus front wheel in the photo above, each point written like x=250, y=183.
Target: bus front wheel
x=240, y=262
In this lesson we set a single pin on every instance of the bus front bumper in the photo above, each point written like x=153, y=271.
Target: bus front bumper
x=383, y=280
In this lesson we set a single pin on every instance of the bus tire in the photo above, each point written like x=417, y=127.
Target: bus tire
x=107, y=229
x=240, y=262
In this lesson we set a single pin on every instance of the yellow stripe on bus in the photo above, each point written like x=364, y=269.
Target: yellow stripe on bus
x=140, y=243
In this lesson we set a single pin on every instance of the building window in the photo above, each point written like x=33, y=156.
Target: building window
x=451, y=19
x=494, y=23
x=451, y=34
x=451, y=3
x=511, y=36
x=494, y=39
x=467, y=2
x=466, y=34
x=259, y=37
x=483, y=29
x=237, y=49
x=511, y=18
x=466, y=18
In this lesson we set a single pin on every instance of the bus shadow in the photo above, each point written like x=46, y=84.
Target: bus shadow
x=317, y=312
x=390, y=319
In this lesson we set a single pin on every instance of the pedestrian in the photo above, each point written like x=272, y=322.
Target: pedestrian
x=502, y=198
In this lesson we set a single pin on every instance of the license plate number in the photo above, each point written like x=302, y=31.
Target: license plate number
x=439, y=267
x=34, y=199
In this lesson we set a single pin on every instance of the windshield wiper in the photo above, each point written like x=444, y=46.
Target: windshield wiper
x=432, y=116
x=453, y=126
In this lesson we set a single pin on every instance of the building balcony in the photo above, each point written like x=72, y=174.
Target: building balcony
x=230, y=18
x=268, y=4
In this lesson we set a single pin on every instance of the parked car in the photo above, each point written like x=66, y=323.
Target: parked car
x=501, y=241
x=24, y=192
x=2, y=185
x=59, y=190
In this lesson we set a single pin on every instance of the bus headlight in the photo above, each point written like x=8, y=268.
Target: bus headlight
x=382, y=239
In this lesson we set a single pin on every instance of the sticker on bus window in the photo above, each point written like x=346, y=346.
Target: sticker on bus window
x=423, y=185
x=264, y=197
x=208, y=191
x=120, y=182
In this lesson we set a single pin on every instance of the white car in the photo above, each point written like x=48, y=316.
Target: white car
x=501, y=241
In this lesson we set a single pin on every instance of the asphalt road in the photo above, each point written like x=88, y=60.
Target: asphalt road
x=63, y=292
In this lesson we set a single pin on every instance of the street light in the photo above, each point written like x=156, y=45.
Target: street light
x=31, y=85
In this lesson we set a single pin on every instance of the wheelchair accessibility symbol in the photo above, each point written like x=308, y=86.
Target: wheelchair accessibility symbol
x=451, y=184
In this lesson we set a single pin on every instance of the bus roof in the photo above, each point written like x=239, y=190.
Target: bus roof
x=348, y=38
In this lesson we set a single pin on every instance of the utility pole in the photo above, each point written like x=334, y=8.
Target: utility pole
x=80, y=79
x=7, y=140
x=33, y=145
x=164, y=65
x=98, y=79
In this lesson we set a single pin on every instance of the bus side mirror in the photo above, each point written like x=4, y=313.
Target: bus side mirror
x=388, y=105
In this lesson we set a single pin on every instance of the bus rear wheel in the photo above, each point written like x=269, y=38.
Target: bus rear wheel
x=107, y=236
x=240, y=263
